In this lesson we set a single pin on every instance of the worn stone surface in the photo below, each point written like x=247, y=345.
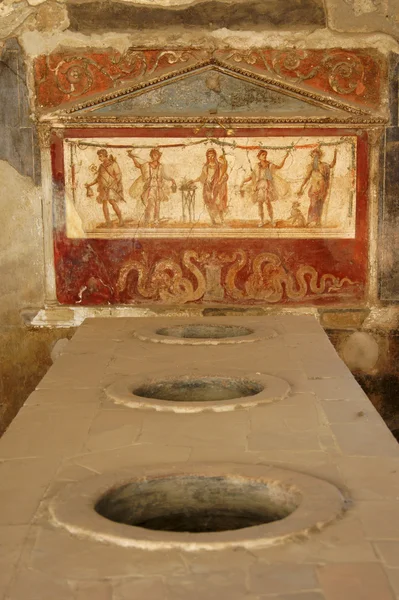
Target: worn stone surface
x=211, y=14
x=364, y=15
x=51, y=16
x=340, y=15
x=360, y=582
x=68, y=432
x=12, y=16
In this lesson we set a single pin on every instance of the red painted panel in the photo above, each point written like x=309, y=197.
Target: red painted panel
x=76, y=75
x=329, y=272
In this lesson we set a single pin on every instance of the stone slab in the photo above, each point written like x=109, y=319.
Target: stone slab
x=326, y=427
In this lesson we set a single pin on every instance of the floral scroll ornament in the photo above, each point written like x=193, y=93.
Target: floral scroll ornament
x=76, y=75
x=344, y=70
x=73, y=76
x=346, y=74
x=295, y=65
x=172, y=58
x=132, y=62
x=251, y=58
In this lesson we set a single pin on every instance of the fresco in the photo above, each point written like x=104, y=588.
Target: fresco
x=210, y=177
x=183, y=187
x=216, y=278
x=166, y=216
x=76, y=74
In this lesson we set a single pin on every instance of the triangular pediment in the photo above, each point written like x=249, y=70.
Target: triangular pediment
x=210, y=89
x=209, y=92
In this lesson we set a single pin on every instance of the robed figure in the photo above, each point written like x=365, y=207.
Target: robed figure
x=153, y=185
x=109, y=186
x=263, y=186
x=214, y=179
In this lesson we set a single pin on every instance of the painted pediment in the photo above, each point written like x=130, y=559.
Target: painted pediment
x=210, y=92
x=211, y=89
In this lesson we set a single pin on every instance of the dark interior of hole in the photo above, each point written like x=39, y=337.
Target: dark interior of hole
x=203, y=521
x=197, y=504
x=204, y=331
x=204, y=389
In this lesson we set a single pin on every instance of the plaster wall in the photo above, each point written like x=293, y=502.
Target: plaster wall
x=24, y=352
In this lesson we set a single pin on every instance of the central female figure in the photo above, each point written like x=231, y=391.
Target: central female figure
x=214, y=181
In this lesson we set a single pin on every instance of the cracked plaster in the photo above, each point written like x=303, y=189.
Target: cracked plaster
x=41, y=25
x=364, y=15
x=35, y=43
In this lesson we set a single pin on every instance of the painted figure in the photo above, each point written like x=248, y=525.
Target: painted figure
x=154, y=184
x=319, y=175
x=223, y=179
x=296, y=218
x=214, y=179
x=109, y=185
x=263, y=185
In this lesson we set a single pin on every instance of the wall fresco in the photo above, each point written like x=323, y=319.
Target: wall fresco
x=269, y=279
x=354, y=76
x=98, y=272
x=302, y=187
x=201, y=202
x=162, y=248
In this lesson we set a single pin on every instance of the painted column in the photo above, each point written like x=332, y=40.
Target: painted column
x=50, y=297
x=375, y=138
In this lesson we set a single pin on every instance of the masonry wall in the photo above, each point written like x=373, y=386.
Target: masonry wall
x=32, y=28
x=24, y=352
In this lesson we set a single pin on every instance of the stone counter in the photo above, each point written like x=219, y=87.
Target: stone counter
x=71, y=430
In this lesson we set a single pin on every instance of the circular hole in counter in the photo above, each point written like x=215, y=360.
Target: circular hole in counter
x=198, y=389
x=196, y=504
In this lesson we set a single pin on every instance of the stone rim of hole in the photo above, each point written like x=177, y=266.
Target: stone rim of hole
x=121, y=391
x=321, y=503
x=192, y=389
x=256, y=332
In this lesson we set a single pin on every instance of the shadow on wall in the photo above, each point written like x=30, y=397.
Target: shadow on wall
x=24, y=360
x=383, y=391
x=373, y=358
